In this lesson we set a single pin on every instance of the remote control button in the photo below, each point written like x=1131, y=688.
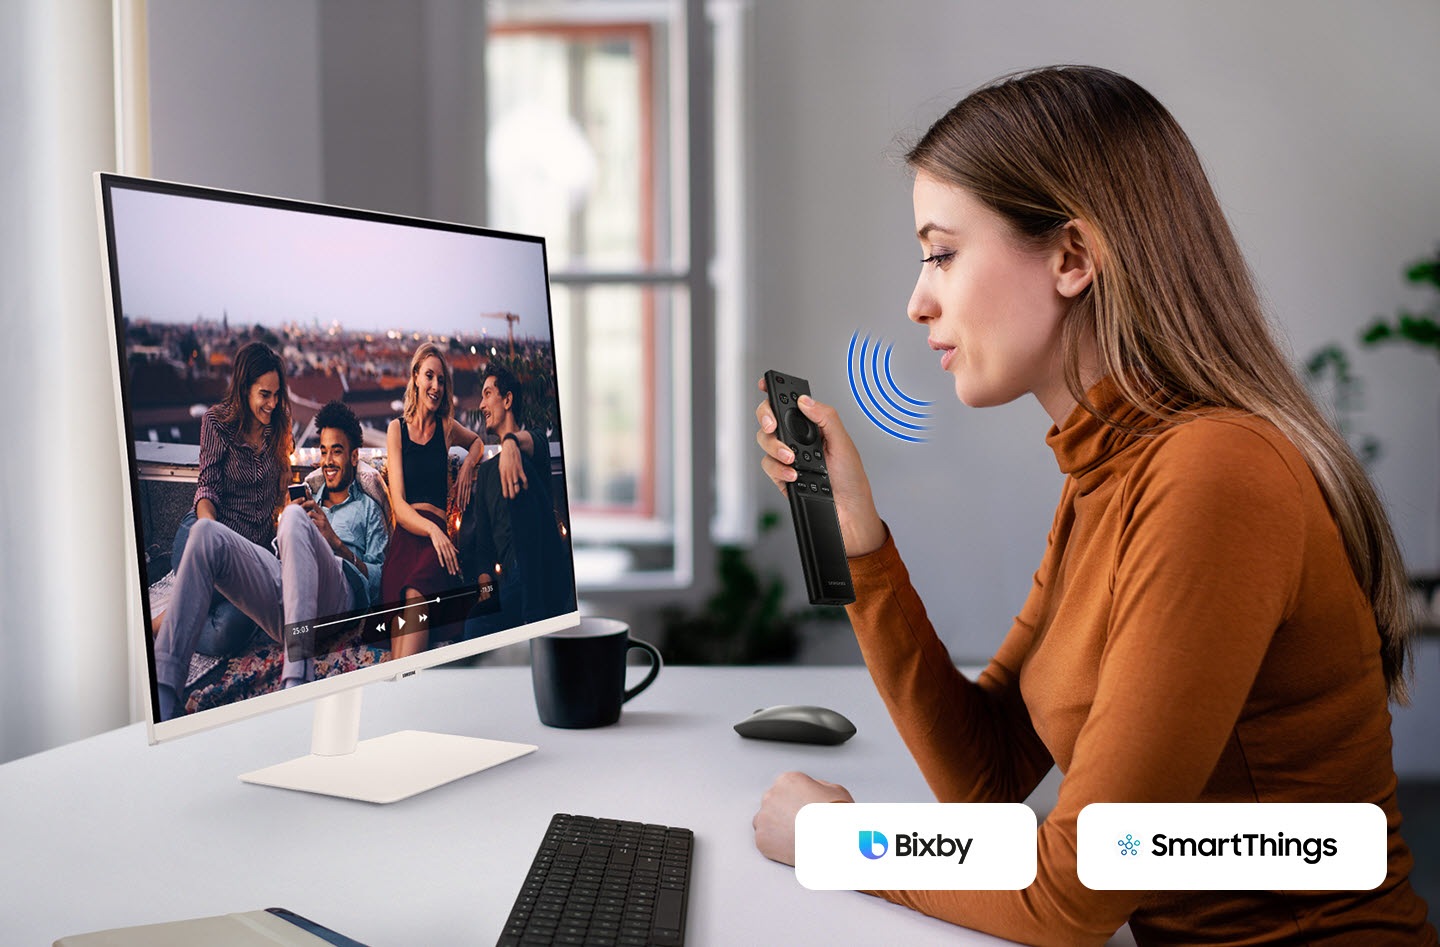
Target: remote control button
x=784, y=398
x=814, y=488
x=780, y=379
x=800, y=427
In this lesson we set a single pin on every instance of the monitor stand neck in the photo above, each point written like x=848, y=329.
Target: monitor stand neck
x=335, y=730
x=382, y=769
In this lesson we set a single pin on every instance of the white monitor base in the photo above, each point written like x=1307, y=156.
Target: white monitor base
x=390, y=768
x=383, y=769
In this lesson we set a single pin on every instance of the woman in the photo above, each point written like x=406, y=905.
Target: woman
x=421, y=560
x=245, y=445
x=1220, y=613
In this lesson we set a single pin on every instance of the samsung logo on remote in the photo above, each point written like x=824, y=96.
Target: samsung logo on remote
x=874, y=845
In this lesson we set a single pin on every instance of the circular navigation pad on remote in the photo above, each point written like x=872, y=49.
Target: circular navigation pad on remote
x=800, y=427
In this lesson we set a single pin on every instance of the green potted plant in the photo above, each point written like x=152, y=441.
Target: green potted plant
x=1327, y=371
x=1329, y=367
x=1420, y=328
x=745, y=621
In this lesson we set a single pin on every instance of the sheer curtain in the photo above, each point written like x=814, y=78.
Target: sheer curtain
x=64, y=654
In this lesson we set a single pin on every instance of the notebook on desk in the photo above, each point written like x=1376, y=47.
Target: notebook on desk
x=249, y=929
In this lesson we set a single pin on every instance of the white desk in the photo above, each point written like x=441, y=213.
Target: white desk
x=110, y=832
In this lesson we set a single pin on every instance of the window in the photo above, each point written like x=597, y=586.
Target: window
x=592, y=111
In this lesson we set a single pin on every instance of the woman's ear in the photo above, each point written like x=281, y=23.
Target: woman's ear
x=1077, y=258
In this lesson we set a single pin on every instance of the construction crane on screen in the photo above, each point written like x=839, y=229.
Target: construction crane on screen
x=510, y=318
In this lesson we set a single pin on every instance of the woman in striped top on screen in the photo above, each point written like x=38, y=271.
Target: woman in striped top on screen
x=245, y=445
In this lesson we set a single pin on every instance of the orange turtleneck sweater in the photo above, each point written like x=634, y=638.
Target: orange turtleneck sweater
x=1193, y=633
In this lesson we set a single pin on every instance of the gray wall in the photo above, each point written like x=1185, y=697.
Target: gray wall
x=366, y=103
x=235, y=95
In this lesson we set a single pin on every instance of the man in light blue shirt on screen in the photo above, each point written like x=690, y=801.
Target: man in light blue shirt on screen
x=339, y=537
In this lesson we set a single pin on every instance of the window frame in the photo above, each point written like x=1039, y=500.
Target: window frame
x=705, y=357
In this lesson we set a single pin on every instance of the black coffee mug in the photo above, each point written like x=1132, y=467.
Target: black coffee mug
x=579, y=674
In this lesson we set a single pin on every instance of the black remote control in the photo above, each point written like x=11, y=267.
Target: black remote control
x=812, y=503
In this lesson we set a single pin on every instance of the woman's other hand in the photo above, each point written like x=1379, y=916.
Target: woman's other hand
x=860, y=525
x=775, y=822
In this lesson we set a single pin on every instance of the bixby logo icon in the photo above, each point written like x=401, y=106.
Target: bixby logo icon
x=870, y=842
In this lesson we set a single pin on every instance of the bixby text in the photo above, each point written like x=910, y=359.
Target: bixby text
x=939, y=846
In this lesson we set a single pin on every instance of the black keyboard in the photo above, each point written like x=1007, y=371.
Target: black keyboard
x=605, y=883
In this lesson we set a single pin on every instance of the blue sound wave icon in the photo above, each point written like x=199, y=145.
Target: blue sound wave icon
x=866, y=364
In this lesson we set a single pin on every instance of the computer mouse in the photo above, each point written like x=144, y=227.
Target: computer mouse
x=797, y=724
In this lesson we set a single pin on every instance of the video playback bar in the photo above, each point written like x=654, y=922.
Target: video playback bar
x=442, y=615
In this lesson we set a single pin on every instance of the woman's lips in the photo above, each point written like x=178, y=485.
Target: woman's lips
x=947, y=354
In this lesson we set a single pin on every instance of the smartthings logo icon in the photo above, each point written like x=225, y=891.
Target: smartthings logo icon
x=1129, y=845
x=873, y=844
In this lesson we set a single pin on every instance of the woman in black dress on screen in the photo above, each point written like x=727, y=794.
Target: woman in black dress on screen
x=422, y=561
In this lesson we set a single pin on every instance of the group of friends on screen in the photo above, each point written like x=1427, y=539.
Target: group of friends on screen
x=255, y=552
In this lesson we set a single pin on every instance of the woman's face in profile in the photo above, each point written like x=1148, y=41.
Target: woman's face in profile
x=430, y=382
x=264, y=397
x=990, y=304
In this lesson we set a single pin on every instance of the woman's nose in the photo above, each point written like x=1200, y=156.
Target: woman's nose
x=922, y=303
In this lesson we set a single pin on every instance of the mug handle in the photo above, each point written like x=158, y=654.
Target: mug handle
x=655, y=665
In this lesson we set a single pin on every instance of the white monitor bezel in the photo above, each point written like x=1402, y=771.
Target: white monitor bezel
x=137, y=601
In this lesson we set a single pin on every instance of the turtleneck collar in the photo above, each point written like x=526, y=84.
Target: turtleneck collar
x=1085, y=442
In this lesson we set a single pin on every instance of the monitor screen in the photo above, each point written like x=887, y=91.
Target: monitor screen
x=344, y=444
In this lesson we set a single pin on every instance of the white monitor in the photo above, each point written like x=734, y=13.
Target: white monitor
x=345, y=464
